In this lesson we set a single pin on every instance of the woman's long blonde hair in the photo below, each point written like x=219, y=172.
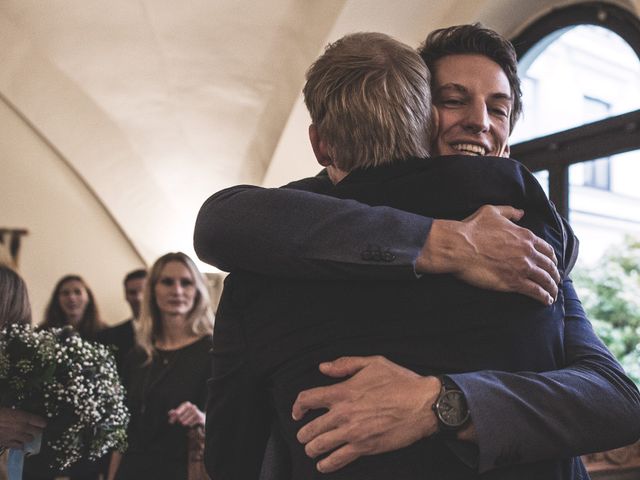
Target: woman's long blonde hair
x=149, y=326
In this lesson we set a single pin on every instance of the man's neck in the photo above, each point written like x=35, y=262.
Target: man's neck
x=336, y=174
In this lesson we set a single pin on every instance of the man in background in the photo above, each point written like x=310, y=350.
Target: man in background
x=122, y=336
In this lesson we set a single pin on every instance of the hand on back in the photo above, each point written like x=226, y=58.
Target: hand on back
x=488, y=250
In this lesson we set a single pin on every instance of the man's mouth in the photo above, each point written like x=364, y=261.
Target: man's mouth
x=468, y=149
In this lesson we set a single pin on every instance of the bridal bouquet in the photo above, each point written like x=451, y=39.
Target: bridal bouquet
x=71, y=382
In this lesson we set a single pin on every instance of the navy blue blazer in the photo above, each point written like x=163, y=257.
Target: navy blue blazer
x=533, y=345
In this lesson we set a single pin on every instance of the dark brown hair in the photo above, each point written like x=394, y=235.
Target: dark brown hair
x=479, y=40
x=90, y=323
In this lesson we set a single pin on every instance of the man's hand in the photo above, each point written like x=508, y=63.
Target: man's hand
x=488, y=250
x=18, y=427
x=382, y=407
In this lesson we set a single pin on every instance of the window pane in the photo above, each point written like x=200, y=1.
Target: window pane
x=602, y=218
x=543, y=179
x=575, y=76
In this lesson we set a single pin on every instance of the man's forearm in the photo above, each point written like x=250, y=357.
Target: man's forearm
x=590, y=405
x=297, y=234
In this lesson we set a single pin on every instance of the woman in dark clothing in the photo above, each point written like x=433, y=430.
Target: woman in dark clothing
x=72, y=303
x=166, y=374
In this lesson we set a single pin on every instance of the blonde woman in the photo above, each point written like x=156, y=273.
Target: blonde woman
x=166, y=373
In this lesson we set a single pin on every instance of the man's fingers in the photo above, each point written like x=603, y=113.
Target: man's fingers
x=550, y=266
x=533, y=290
x=324, y=397
x=338, y=459
x=546, y=249
x=345, y=366
x=319, y=397
x=545, y=280
x=513, y=214
x=325, y=442
x=318, y=426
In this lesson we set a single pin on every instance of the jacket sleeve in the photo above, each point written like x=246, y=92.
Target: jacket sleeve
x=287, y=232
x=589, y=405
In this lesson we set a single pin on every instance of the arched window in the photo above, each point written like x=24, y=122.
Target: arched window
x=580, y=69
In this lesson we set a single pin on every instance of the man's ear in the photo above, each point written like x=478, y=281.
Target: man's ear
x=319, y=147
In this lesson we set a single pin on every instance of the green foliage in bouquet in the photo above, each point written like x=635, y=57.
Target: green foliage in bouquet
x=71, y=382
x=610, y=293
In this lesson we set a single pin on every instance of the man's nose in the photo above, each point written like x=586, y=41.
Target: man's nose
x=477, y=118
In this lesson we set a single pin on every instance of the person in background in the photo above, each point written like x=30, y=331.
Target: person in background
x=166, y=373
x=72, y=303
x=122, y=336
x=16, y=427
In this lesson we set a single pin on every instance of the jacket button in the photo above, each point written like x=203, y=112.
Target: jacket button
x=388, y=256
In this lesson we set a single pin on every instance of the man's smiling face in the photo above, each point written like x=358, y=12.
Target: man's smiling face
x=473, y=98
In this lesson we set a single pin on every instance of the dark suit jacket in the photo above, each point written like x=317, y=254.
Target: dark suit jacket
x=589, y=405
x=270, y=335
x=121, y=339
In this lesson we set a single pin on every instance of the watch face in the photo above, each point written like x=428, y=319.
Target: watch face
x=452, y=408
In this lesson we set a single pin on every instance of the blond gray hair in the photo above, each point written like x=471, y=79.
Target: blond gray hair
x=370, y=100
x=149, y=325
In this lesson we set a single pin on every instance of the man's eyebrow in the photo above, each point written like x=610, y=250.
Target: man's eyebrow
x=501, y=96
x=462, y=89
x=453, y=86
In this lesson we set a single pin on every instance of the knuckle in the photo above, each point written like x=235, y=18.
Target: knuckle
x=529, y=250
x=369, y=445
x=354, y=433
x=341, y=416
x=301, y=398
x=309, y=450
x=531, y=237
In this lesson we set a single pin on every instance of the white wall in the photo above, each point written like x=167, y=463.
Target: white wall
x=69, y=230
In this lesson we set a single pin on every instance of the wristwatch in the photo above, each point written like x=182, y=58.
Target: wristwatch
x=450, y=408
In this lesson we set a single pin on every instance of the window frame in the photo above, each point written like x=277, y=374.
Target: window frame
x=603, y=138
